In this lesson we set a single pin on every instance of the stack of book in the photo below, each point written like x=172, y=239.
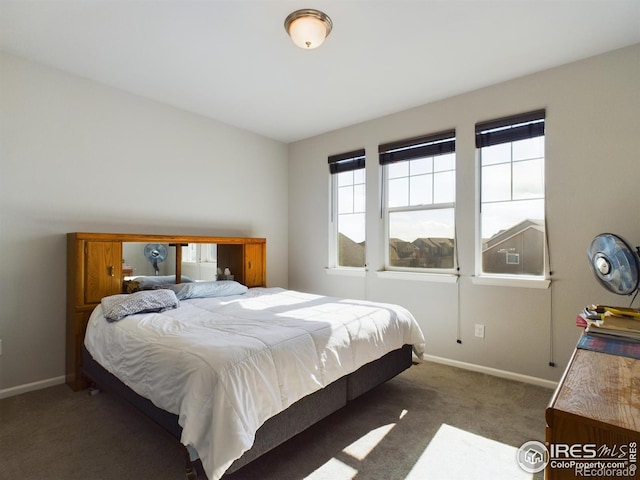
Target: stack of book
x=614, y=322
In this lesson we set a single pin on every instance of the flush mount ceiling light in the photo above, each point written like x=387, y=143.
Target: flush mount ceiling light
x=308, y=27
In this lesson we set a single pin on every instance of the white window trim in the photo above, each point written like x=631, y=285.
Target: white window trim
x=333, y=222
x=333, y=233
x=503, y=280
x=386, y=210
x=523, y=281
x=418, y=276
x=347, y=271
x=394, y=275
x=449, y=278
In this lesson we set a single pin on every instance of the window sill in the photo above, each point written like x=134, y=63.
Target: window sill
x=419, y=276
x=512, y=281
x=346, y=272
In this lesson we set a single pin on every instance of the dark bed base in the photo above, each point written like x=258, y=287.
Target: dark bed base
x=281, y=427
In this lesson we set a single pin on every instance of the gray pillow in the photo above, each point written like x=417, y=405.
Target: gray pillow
x=116, y=307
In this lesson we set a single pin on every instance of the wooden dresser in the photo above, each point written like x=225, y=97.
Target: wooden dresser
x=597, y=402
x=94, y=271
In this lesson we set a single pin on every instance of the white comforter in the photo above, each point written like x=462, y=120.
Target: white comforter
x=226, y=365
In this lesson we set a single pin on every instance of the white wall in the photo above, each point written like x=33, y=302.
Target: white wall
x=79, y=156
x=593, y=176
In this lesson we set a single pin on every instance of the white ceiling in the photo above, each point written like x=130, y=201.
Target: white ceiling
x=231, y=60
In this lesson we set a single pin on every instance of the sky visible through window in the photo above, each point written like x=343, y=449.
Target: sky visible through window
x=409, y=226
x=352, y=204
x=512, y=184
x=512, y=191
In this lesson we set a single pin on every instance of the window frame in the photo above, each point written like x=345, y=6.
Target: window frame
x=501, y=131
x=425, y=146
x=344, y=162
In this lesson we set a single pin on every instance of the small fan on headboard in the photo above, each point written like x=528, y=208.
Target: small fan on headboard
x=155, y=253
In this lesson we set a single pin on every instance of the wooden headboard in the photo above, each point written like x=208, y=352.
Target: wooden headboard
x=95, y=270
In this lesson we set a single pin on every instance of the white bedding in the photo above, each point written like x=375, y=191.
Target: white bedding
x=226, y=365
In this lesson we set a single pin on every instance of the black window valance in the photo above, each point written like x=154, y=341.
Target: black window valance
x=440, y=143
x=346, y=162
x=510, y=129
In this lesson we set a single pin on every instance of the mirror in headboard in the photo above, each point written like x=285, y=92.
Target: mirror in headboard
x=147, y=259
x=97, y=264
x=199, y=261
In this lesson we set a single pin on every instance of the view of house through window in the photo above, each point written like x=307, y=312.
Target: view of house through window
x=420, y=192
x=512, y=194
x=348, y=209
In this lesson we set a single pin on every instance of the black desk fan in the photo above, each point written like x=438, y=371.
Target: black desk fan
x=615, y=264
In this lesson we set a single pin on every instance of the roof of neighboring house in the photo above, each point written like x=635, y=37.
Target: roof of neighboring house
x=435, y=241
x=397, y=241
x=518, y=228
x=353, y=253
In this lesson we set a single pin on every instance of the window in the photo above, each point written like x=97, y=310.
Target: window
x=419, y=202
x=348, y=209
x=199, y=253
x=200, y=260
x=513, y=258
x=190, y=253
x=512, y=199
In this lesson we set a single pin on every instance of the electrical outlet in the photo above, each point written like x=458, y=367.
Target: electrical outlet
x=479, y=330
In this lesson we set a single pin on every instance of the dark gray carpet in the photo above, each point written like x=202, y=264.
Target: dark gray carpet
x=57, y=434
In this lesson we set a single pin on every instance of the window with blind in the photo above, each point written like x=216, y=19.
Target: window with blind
x=419, y=202
x=347, y=172
x=512, y=194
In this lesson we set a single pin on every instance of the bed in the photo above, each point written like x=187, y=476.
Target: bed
x=229, y=373
x=225, y=365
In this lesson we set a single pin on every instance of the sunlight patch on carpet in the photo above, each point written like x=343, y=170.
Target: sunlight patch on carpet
x=332, y=470
x=365, y=444
x=455, y=454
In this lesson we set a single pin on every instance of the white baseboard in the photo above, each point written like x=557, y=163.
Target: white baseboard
x=30, y=387
x=541, y=382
